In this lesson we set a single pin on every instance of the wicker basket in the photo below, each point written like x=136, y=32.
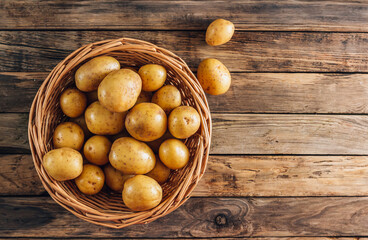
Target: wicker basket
x=107, y=208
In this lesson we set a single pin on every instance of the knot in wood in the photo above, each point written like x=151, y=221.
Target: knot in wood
x=221, y=220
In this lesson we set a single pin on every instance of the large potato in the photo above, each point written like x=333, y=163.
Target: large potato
x=63, y=163
x=91, y=179
x=146, y=122
x=183, y=122
x=89, y=75
x=160, y=172
x=131, y=156
x=96, y=150
x=114, y=178
x=219, y=32
x=119, y=90
x=73, y=102
x=213, y=76
x=168, y=97
x=153, y=77
x=174, y=154
x=101, y=121
x=68, y=134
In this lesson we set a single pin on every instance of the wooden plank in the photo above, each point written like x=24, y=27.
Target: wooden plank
x=249, y=93
x=199, y=218
x=240, y=176
x=227, y=238
x=247, y=15
x=24, y=51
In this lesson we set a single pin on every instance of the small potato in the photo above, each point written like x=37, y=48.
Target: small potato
x=183, y=122
x=213, y=76
x=141, y=193
x=146, y=122
x=92, y=97
x=114, y=178
x=168, y=97
x=63, y=163
x=89, y=75
x=160, y=172
x=82, y=123
x=219, y=32
x=155, y=145
x=153, y=77
x=101, y=121
x=68, y=134
x=119, y=90
x=73, y=102
x=96, y=150
x=144, y=97
x=174, y=154
x=131, y=156
x=91, y=180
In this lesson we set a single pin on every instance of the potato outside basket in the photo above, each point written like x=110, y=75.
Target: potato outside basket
x=107, y=208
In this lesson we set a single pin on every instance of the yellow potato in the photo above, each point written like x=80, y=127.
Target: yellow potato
x=89, y=75
x=131, y=156
x=101, y=121
x=63, y=163
x=119, y=90
x=155, y=145
x=82, y=123
x=96, y=150
x=73, y=102
x=114, y=178
x=160, y=172
x=141, y=193
x=213, y=76
x=174, y=153
x=144, y=97
x=146, y=122
x=183, y=122
x=219, y=32
x=68, y=134
x=91, y=180
x=153, y=77
x=168, y=97
x=92, y=97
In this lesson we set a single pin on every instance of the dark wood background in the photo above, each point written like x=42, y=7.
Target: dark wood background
x=289, y=157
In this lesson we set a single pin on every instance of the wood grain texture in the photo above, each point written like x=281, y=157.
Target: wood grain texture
x=199, y=218
x=24, y=51
x=188, y=15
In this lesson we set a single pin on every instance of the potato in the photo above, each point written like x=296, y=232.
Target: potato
x=63, y=163
x=213, y=76
x=160, y=172
x=141, y=193
x=155, y=145
x=89, y=75
x=219, y=32
x=82, y=123
x=96, y=150
x=146, y=122
x=92, y=97
x=73, y=102
x=68, y=134
x=101, y=121
x=119, y=90
x=91, y=180
x=174, y=153
x=168, y=97
x=144, y=97
x=131, y=156
x=114, y=178
x=153, y=77
x=183, y=122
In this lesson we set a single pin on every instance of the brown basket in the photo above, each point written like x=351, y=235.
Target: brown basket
x=107, y=208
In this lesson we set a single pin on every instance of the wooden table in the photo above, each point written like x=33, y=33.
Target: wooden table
x=290, y=139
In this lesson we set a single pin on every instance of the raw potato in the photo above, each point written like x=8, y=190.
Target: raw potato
x=168, y=97
x=114, y=178
x=144, y=97
x=101, y=121
x=184, y=121
x=131, y=156
x=155, y=145
x=160, y=172
x=96, y=150
x=153, y=77
x=91, y=180
x=82, y=123
x=174, y=154
x=68, y=134
x=219, y=32
x=63, y=163
x=73, y=102
x=213, y=76
x=92, y=97
x=119, y=90
x=89, y=75
x=146, y=122
x=141, y=193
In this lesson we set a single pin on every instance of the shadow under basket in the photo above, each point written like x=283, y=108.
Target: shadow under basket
x=107, y=208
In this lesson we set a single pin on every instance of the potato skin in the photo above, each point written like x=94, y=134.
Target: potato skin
x=144, y=97
x=155, y=145
x=96, y=150
x=68, y=134
x=183, y=122
x=114, y=178
x=174, y=154
x=131, y=156
x=146, y=122
x=160, y=172
x=82, y=123
x=141, y=193
x=91, y=179
x=219, y=32
x=168, y=97
x=213, y=76
x=63, y=163
x=89, y=75
x=153, y=77
x=101, y=121
x=73, y=102
x=119, y=90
